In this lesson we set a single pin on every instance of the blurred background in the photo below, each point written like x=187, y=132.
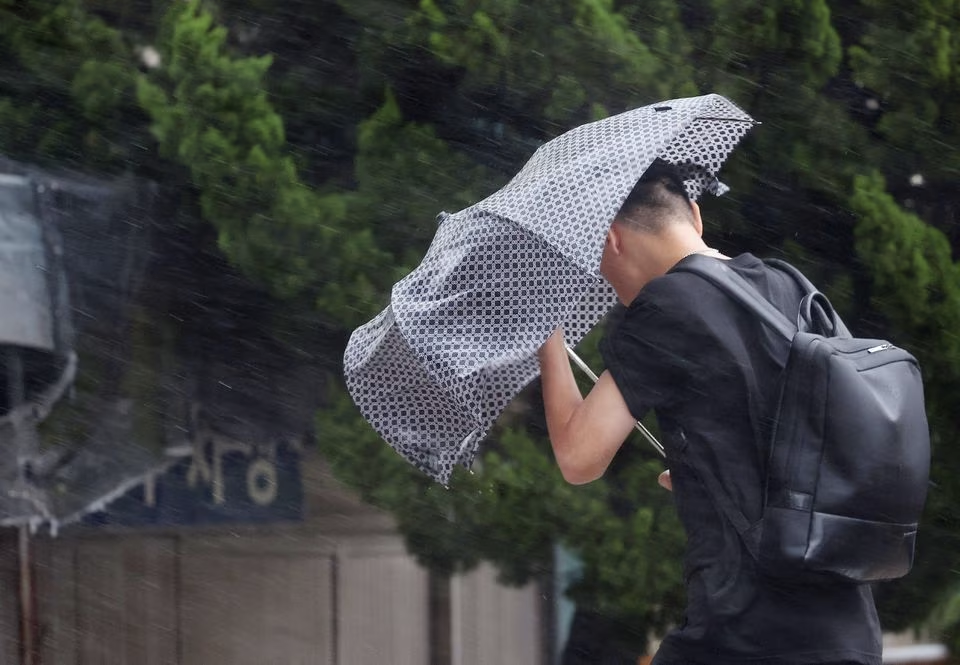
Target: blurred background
x=199, y=201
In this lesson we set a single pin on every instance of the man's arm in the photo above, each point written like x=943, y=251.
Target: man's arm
x=585, y=432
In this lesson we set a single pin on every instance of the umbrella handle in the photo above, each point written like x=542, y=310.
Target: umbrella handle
x=589, y=372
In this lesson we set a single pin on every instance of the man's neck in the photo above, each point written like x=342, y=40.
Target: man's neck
x=654, y=259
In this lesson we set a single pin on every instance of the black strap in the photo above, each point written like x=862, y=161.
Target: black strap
x=749, y=533
x=805, y=284
x=718, y=273
x=727, y=280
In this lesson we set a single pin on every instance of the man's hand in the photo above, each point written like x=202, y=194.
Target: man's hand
x=663, y=480
x=554, y=346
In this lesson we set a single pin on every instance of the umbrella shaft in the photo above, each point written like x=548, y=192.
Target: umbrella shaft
x=578, y=361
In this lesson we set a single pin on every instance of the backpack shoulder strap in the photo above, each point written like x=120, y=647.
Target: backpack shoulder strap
x=749, y=533
x=805, y=284
x=718, y=273
x=727, y=280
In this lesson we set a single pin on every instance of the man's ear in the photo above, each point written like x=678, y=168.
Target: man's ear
x=614, y=241
x=697, y=220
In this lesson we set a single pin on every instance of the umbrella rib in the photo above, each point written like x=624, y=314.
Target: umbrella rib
x=718, y=119
x=546, y=241
x=589, y=372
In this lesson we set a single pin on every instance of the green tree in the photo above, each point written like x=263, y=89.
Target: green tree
x=574, y=58
x=66, y=82
x=916, y=287
x=211, y=114
x=906, y=60
x=784, y=62
x=908, y=57
x=405, y=176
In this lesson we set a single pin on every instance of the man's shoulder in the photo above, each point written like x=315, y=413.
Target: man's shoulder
x=681, y=296
x=683, y=285
x=679, y=286
x=670, y=302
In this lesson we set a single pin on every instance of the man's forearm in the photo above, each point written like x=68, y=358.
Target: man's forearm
x=585, y=432
x=561, y=395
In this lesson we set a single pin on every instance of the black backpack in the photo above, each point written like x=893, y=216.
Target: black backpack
x=849, y=452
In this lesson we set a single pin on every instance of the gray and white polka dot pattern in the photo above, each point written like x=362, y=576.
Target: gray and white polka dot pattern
x=433, y=372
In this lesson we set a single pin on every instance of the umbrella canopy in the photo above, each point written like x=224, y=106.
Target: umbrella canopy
x=459, y=340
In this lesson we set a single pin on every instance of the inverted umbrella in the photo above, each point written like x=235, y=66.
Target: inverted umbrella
x=459, y=339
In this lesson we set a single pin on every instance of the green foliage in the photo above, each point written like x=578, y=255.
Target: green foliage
x=212, y=115
x=210, y=112
x=793, y=33
x=909, y=56
x=916, y=282
x=916, y=286
x=945, y=620
x=572, y=54
x=405, y=175
x=632, y=562
x=99, y=88
x=778, y=60
x=65, y=86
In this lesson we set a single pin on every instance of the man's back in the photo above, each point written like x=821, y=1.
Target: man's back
x=711, y=371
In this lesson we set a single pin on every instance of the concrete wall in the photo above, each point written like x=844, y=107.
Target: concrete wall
x=338, y=589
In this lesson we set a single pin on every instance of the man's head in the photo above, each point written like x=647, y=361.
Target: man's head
x=657, y=225
x=657, y=200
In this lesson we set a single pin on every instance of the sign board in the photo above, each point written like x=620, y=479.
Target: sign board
x=225, y=481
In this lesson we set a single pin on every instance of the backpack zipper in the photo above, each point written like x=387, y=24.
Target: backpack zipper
x=879, y=347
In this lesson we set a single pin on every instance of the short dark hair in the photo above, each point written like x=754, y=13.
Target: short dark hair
x=659, y=198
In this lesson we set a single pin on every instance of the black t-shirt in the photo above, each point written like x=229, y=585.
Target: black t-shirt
x=710, y=371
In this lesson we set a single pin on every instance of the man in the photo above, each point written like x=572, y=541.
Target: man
x=709, y=369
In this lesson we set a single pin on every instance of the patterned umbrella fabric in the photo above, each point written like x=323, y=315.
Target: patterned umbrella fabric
x=459, y=340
